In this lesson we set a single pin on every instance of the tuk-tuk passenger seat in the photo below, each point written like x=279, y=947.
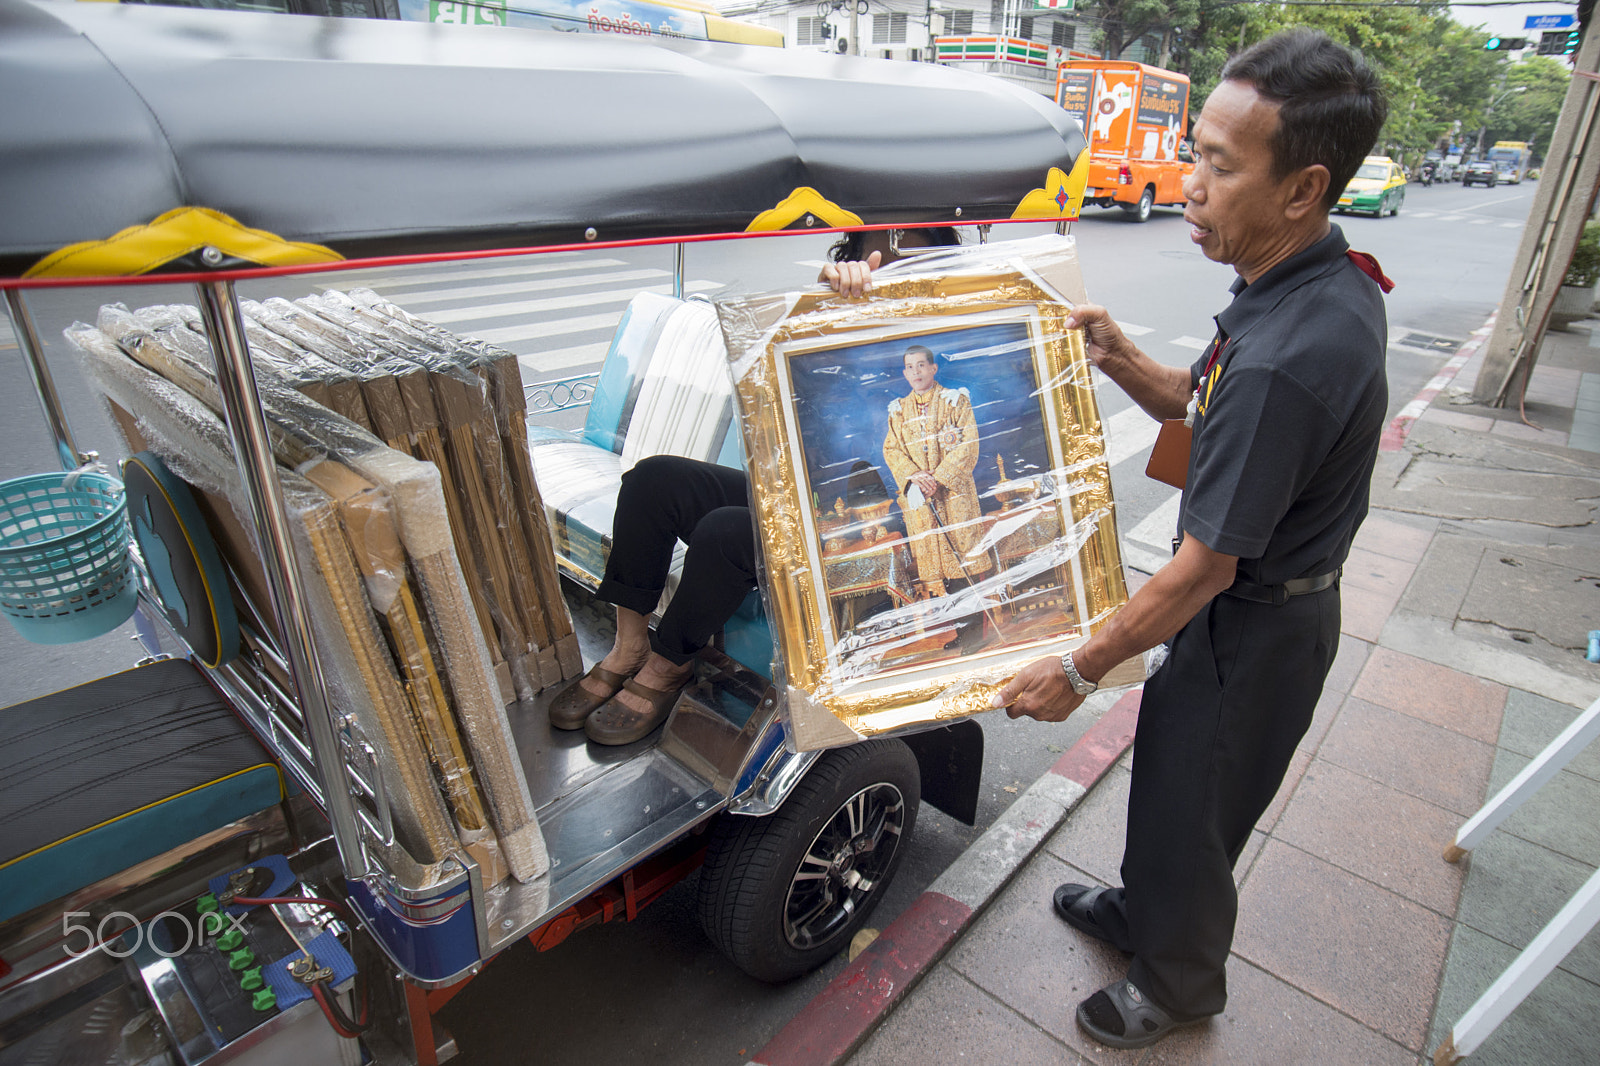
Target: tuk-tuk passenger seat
x=664, y=389
x=98, y=778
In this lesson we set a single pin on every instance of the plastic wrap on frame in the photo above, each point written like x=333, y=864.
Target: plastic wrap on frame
x=930, y=484
x=422, y=636
x=192, y=440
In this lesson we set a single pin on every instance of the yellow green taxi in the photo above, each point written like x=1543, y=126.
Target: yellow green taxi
x=1378, y=187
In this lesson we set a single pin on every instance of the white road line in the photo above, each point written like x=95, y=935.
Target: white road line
x=1422, y=214
x=1449, y=218
x=1158, y=526
x=1128, y=433
x=1135, y=331
x=1510, y=225
x=543, y=365
x=541, y=285
x=1190, y=342
x=559, y=261
x=529, y=331
x=1479, y=221
x=533, y=307
x=702, y=285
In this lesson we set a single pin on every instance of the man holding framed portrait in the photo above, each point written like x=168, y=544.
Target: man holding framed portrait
x=1285, y=409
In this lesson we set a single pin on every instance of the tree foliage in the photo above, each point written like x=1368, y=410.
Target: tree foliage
x=1438, y=77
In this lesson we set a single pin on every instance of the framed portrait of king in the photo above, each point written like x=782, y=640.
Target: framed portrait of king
x=930, y=485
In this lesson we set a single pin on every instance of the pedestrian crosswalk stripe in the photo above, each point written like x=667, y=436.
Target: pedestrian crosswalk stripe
x=1158, y=527
x=531, y=307
x=1129, y=432
x=1423, y=214
x=509, y=267
x=539, y=285
x=528, y=331
x=1449, y=218
x=1135, y=331
x=1479, y=221
x=1510, y=225
x=1190, y=342
x=549, y=364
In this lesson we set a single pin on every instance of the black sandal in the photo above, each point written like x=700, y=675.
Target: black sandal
x=1121, y=1016
x=1074, y=904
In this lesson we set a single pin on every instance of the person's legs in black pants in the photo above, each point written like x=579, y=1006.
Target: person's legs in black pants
x=662, y=500
x=1218, y=725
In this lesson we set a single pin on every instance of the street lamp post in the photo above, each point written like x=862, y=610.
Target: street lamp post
x=1483, y=129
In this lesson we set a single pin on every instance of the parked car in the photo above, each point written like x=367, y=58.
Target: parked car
x=1378, y=187
x=1480, y=172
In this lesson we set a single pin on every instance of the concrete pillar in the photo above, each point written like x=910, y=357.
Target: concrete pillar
x=1567, y=185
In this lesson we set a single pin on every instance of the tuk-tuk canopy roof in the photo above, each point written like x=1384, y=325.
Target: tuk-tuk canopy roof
x=375, y=138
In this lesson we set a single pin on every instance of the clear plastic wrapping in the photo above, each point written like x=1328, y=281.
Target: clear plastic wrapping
x=396, y=534
x=930, y=484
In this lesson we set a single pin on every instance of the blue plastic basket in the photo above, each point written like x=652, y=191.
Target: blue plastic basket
x=65, y=574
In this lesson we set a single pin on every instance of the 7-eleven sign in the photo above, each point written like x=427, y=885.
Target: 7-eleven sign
x=1059, y=5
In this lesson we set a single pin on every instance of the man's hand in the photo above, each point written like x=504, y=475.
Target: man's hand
x=853, y=279
x=1103, y=338
x=1041, y=690
x=926, y=482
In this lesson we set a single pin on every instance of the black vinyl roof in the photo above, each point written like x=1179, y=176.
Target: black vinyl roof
x=378, y=137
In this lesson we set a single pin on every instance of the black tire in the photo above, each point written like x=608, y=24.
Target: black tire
x=1140, y=212
x=754, y=905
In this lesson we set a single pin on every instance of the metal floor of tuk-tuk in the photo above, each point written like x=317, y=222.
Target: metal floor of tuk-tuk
x=603, y=809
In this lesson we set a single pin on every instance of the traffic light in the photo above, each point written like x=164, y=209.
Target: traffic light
x=1505, y=44
x=1558, y=42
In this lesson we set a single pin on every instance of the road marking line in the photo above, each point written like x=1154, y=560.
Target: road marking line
x=539, y=330
x=1129, y=432
x=1135, y=331
x=533, y=307
x=1449, y=218
x=1423, y=214
x=1157, y=528
x=543, y=363
x=540, y=285
x=1510, y=225
x=1479, y=221
x=1394, y=437
x=1191, y=342
x=503, y=270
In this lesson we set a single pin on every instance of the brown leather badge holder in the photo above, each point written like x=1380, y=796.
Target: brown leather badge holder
x=1169, y=459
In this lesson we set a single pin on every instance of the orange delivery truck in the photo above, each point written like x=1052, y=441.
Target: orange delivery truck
x=1136, y=118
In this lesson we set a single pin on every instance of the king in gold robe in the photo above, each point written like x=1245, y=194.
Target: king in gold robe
x=932, y=443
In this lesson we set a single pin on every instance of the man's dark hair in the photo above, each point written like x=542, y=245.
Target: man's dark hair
x=1330, y=105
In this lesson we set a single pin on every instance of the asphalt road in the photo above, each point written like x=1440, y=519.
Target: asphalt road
x=655, y=987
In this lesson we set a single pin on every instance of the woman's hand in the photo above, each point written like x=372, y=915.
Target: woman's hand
x=853, y=279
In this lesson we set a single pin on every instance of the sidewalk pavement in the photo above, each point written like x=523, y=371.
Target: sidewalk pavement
x=1466, y=603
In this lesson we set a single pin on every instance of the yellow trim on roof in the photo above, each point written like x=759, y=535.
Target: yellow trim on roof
x=732, y=31
x=803, y=201
x=282, y=791
x=173, y=235
x=1062, y=194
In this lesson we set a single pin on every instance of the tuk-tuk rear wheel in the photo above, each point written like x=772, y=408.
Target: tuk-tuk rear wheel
x=783, y=894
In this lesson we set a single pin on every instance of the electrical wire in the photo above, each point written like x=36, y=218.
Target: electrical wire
x=321, y=991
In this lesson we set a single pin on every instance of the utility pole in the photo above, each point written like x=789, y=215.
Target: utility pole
x=1555, y=223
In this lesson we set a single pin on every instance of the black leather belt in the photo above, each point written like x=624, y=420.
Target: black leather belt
x=1278, y=595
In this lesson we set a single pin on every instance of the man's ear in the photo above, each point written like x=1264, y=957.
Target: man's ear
x=1308, y=186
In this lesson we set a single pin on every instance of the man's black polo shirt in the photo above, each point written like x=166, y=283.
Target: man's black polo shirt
x=1289, y=417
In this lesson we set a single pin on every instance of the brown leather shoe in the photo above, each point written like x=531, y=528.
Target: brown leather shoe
x=575, y=703
x=615, y=724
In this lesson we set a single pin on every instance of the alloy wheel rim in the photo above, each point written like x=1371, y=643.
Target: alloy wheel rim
x=844, y=865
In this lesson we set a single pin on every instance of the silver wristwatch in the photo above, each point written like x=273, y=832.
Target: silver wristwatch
x=1075, y=679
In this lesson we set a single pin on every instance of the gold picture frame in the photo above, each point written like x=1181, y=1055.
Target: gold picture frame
x=892, y=607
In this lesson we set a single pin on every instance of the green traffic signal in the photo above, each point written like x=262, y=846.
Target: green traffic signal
x=1492, y=44
x=1505, y=44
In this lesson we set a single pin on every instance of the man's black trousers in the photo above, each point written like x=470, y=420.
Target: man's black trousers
x=665, y=499
x=1218, y=725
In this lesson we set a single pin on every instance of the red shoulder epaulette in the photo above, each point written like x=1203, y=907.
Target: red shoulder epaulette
x=1369, y=266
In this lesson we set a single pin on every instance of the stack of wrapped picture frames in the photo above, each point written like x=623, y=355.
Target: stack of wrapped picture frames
x=429, y=570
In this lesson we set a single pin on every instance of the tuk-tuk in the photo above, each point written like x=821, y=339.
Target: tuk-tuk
x=228, y=852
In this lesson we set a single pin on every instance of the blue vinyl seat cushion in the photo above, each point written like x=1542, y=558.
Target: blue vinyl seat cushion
x=101, y=777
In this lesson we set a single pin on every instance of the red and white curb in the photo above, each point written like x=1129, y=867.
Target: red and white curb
x=1394, y=437
x=840, y=1017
